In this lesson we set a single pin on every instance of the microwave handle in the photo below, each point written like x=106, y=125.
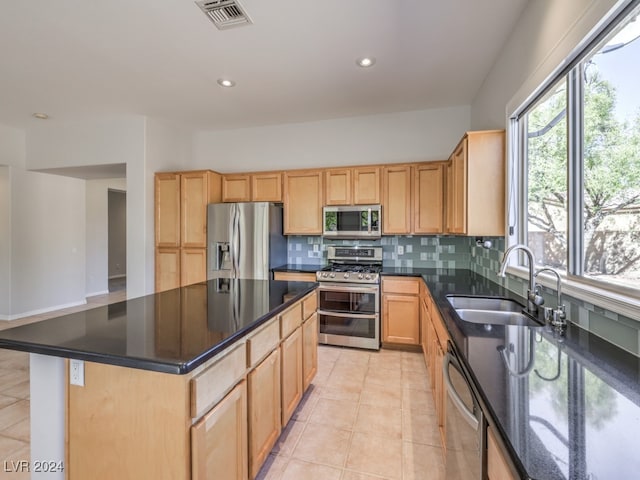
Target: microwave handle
x=369, y=221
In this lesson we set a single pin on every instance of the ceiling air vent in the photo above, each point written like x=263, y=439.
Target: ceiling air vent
x=224, y=13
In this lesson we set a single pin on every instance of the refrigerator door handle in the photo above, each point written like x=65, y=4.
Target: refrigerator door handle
x=236, y=240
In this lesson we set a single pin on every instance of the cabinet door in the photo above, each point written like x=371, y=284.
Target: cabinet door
x=396, y=200
x=219, y=440
x=193, y=314
x=167, y=209
x=428, y=206
x=193, y=265
x=303, y=202
x=264, y=410
x=457, y=193
x=167, y=268
x=401, y=319
x=236, y=188
x=337, y=186
x=266, y=187
x=497, y=465
x=366, y=186
x=291, y=358
x=195, y=196
x=309, y=350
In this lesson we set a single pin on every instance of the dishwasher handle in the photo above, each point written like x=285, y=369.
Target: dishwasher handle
x=468, y=415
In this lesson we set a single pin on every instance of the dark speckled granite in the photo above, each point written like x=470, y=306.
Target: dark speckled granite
x=298, y=268
x=172, y=331
x=567, y=406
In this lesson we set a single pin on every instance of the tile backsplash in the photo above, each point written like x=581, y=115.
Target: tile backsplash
x=462, y=252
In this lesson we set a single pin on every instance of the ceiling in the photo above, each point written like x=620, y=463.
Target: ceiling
x=295, y=63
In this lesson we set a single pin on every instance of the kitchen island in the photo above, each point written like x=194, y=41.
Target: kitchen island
x=145, y=388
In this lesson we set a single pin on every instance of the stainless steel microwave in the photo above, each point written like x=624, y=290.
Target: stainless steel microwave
x=359, y=221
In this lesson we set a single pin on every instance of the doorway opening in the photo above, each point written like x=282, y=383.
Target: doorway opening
x=117, y=239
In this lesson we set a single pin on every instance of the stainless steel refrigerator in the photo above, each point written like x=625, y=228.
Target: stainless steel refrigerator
x=245, y=240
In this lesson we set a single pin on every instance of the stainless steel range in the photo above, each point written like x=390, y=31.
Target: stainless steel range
x=349, y=297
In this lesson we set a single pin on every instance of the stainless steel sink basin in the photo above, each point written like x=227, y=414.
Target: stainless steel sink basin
x=484, y=303
x=491, y=311
x=496, y=317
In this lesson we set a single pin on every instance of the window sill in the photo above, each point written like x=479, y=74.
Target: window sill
x=618, y=303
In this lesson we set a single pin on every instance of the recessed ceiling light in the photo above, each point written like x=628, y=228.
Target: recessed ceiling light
x=365, y=62
x=225, y=82
x=41, y=116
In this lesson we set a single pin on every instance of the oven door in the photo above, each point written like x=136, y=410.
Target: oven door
x=349, y=315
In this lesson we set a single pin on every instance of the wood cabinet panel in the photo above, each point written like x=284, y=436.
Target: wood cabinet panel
x=167, y=210
x=294, y=276
x=457, y=194
x=428, y=198
x=290, y=319
x=193, y=265
x=309, y=305
x=401, y=285
x=194, y=191
x=264, y=410
x=309, y=349
x=366, y=185
x=219, y=442
x=401, y=319
x=396, y=200
x=167, y=268
x=303, y=191
x=497, y=465
x=338, y=187
x=263, y=341
x=266, y=187
x=236, y=188
x=292, y=374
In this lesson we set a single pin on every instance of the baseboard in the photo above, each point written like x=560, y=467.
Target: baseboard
x=42, y=310
x=93, y=294
x=113, y=277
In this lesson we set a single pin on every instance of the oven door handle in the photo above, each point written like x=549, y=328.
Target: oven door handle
x=347, y=315
x=348, y=289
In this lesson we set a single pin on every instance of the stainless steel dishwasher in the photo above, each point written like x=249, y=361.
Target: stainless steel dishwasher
x=464, y=424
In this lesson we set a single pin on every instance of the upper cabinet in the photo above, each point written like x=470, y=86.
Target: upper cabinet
x=396, y=200
x=428, y=197
x=337, y=186
x=252, y=187
x=167, y=205
x=475, y=185
x=366, y=185
x=303, y=192
x=197, y=189
x=352, y=186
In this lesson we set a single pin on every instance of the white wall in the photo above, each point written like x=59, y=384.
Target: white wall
x=48, y=241
x=545, y=34
x=5, y=242
x=389, y=138
x=97, y=233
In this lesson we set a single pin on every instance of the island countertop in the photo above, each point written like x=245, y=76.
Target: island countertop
x=173, y=331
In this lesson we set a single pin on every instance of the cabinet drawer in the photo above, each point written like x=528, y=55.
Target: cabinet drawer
x=404, y=286
x=263, y=341
x=294, y=276
x=290, y=319
x=211, y=385
x=309, y=305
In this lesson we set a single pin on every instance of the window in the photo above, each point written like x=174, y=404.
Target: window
x=580, y=155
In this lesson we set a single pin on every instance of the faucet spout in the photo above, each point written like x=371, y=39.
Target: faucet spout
x=533, y=298
x=559, y=314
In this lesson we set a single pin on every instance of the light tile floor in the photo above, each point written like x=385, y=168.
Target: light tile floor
x=366, y=416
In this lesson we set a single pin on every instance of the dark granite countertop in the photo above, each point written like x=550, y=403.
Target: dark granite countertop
x=173, y=331
x=297, y=268
x=568, y=407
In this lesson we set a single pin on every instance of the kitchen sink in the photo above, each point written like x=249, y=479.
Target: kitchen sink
x=484, y=303
x=496, y=317
x=490, y=310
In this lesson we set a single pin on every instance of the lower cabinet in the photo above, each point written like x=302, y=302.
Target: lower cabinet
x=497, y=465
x=292, y=390
x=309, y=350
x=219, y=439
x=264, y=410
x=401, y=310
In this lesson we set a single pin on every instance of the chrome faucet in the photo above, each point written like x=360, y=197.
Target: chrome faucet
x=557, y=316
x=533, y=295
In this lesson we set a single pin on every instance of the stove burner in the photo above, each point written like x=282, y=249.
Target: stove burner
x=352, y=268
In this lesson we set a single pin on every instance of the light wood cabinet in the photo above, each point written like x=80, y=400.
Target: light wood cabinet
x=497, y=464
x=264, y=410
x=266, y=187
x=338, y=186
x=366, y=185
x=295, y=276
x=400, y=311
x=219, y=440
x=475, y=195
x=303, y=192
x=236, y=188
x=396, y=200
x=292, y=374
x=309, y=349
x=181, y=200
x=428, y=198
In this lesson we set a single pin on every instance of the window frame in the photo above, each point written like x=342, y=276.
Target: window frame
x=618, y=298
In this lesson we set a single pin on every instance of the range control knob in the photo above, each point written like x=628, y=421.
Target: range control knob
x=331, y=275
x=346, y=275
x=361, y=276
x=367, y=277
x=325, y=275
